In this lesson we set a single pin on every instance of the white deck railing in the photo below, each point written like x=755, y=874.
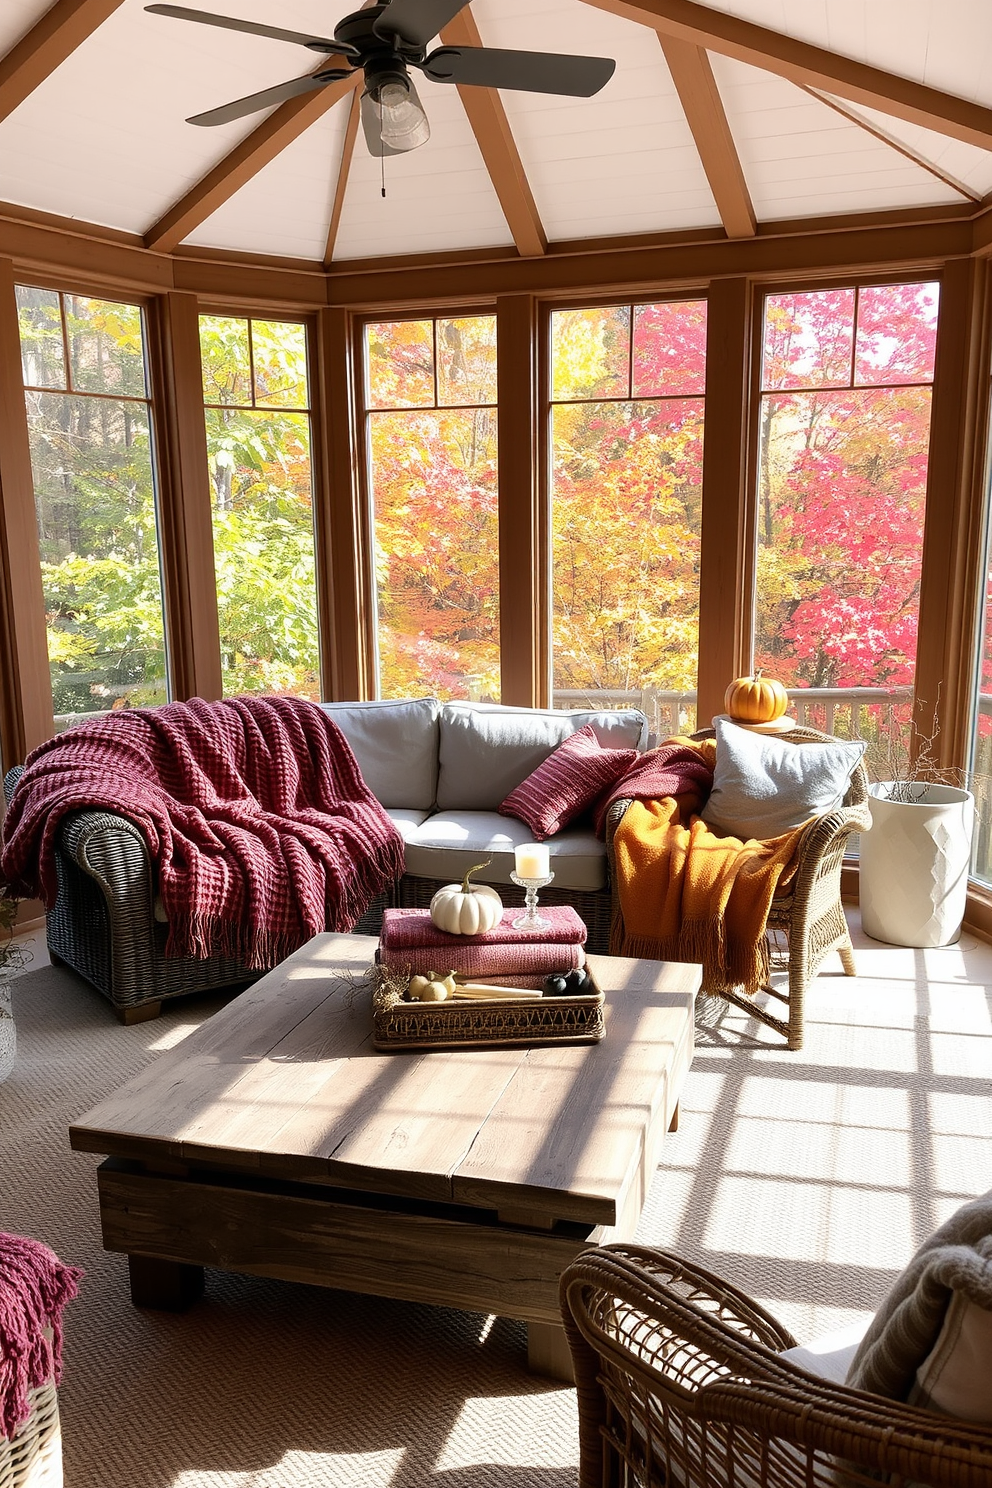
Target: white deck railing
x=854, y=712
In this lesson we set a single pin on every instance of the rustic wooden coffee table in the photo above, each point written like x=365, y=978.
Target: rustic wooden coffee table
x=275, y=1141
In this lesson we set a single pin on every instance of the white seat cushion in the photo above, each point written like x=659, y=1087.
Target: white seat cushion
x=406, y=821
x=448, y=843
x=829, y=1357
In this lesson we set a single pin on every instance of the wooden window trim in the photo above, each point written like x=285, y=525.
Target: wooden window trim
x=26, y=713
x=726, y=561
x=185, y=525
x=952, y=585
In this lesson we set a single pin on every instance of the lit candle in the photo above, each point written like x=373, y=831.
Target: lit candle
x=532, y=860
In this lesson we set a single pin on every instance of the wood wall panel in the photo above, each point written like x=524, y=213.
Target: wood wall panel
x=185, y=521
x=523, y=565
x=724, y=611
x=344, y=523
x=71, y=253
x=25, y=680
x=646, y=267
x=953, y=557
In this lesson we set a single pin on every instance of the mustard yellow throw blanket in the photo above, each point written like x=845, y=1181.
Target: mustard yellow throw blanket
x=685, y=894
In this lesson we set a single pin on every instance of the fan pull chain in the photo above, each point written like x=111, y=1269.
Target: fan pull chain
x=382, y=174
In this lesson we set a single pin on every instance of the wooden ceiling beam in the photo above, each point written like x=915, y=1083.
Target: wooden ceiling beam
x=707, y=119
x=284, y=125
x=344, y=170
x=47, y=45
x=809, y=65
x=870, y=127
x=494, y=137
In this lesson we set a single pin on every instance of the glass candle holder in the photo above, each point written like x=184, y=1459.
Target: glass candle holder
x=530, y=919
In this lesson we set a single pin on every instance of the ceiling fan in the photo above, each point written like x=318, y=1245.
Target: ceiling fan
x=385, y=41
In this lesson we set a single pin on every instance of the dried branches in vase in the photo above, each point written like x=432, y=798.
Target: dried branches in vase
x=912, y=764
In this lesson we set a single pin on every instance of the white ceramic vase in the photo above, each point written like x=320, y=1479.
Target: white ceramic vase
x=8, y=1033
x=914, y=863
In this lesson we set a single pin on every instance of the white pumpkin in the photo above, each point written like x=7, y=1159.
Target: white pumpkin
x=467, y=908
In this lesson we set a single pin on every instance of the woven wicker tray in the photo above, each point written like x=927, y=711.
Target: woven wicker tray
x=460, y=1024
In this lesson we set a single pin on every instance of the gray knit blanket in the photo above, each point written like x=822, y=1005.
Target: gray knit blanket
x=956, y=1258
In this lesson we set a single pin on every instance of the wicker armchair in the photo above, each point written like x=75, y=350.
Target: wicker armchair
x=680, y=1385
x=810, y=914
x=103, y=923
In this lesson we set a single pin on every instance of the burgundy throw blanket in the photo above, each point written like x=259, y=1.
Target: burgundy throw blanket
x=256, y=817
x=670, y=770
x=34, y=1288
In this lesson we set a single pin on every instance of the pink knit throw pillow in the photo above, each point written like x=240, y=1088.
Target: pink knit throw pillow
x=567, y=783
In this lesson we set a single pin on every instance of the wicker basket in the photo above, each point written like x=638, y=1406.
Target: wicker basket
x=460, y=1023
x=33, y=1458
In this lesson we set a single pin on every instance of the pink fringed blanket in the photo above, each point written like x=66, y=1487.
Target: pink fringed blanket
x=34, y=1288
x=255, y=813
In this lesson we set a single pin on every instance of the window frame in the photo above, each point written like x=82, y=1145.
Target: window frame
x=368, y=623
x=248, y=310
x=148, y=306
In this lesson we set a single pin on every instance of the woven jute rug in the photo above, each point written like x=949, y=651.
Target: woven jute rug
x=808, y=1178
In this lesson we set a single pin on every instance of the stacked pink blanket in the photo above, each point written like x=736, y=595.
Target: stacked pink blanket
x=256, y=817
x=410, y=941
x=34, y=1288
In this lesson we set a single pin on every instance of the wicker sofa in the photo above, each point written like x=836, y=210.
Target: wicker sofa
x=440, y=770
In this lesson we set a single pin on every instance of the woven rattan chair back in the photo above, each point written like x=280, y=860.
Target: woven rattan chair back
x=680, y=1385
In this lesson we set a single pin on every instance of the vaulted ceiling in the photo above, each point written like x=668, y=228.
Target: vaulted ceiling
x=728, y=116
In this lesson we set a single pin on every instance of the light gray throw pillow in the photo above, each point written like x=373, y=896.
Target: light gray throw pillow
x=764, y=786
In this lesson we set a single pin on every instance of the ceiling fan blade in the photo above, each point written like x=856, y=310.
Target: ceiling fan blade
x=229, y=23
x=228, y=112
x=417, y=21
x=372, y=130
x=531, y=72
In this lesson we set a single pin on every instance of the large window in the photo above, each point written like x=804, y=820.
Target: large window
x=256, y=393
x=431, y=449
x=89, y=420
x=627, y=458
x=845, y=433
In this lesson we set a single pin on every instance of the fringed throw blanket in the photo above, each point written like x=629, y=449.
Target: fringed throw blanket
x=34, y=1288
x=685, y=894
x=256, y=816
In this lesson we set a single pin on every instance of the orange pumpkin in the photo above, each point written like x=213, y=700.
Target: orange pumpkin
x=756, y=699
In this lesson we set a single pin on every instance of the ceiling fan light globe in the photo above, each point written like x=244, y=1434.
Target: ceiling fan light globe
x=403, y=122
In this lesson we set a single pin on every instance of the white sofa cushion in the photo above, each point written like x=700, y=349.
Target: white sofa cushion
x=829, y=1357
x=406, y=821
x=487, y=749
x=396, y=746
x=448, y=843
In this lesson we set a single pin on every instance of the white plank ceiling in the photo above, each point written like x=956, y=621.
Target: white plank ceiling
x=103, y=139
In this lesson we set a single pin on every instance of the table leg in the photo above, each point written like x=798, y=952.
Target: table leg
x=170, y=1286
x=548, y=1351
